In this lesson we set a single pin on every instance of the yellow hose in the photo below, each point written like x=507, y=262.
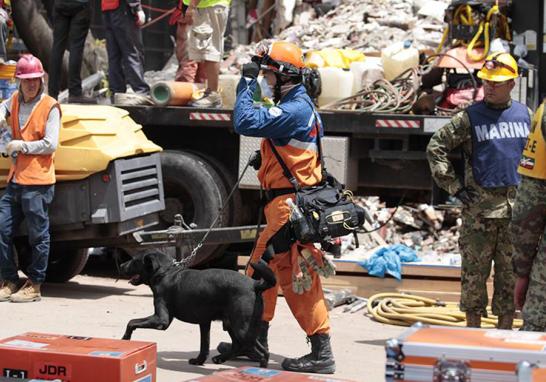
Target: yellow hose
x=484, y=27
x=405, y=310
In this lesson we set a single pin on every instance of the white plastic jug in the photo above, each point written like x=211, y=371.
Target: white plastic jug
x=336, y=84
x=399, y=57
x=366, y=72
x=227, y=84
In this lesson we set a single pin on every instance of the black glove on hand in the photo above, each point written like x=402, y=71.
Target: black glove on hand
x=251, y=70
x=467, y=195
x=255, y=160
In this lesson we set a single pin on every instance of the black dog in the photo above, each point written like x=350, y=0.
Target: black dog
x=202, y=296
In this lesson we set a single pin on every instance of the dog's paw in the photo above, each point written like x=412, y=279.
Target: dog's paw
x=198, y=361
x=126, y=337
x=218, y=359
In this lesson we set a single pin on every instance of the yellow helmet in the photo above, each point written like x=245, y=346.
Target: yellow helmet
x=499, y=67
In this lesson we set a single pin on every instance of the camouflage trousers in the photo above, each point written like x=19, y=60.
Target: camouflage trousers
x=483, y=241
x=528, y=229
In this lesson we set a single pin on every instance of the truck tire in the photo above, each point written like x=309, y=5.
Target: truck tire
x=194, y=189
x=235, y=206
x=63, y=264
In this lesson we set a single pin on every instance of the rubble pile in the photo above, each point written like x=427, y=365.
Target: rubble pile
x=366, y=25
x=425, y=229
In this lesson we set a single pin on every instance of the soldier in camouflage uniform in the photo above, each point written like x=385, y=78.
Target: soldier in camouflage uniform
x=491, y=135
x=528, y=229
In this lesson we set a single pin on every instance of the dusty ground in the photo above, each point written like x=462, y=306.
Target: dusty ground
x=96, y=305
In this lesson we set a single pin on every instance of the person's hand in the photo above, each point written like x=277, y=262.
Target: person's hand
x=15, y=146
x=520, y=291
x=467, y=195
x=251, y=70
x=255, y=160
x=140, y=18
x=188, y=16
x=176, y=13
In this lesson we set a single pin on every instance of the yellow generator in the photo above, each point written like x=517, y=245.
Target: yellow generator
x=109, y=184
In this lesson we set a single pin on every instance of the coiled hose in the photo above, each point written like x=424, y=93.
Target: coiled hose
x=406, y=310
x=383, y=96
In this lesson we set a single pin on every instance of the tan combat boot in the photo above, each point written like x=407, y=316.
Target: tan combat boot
x=505, y=321
x=7, y=288
x=473, y=319
x=28, y=293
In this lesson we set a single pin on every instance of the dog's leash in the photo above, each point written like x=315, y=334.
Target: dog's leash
x=185, y=261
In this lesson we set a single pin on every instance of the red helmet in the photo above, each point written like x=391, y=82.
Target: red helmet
x=29, y=66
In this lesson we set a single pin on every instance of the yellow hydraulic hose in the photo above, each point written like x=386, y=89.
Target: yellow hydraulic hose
x=405, y=310
x=483, y=28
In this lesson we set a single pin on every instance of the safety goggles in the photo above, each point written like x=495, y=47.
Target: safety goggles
x=494, y=64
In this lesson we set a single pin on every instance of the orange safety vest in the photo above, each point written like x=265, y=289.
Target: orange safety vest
x=109, y=5
x=30, y=169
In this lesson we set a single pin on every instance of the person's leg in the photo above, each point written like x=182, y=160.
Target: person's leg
x=309, y=309
x=4, y=17
x=11, y=216
x=207, y=46
x=187, y=69
x=130, y=38
x=60, y=38
x=79, y=27
x=35, y=201
x=504, y=281
x=477, y=247
x=116, y=78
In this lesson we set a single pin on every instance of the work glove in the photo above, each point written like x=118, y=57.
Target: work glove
x=301, y=281
x=323, y=266
x=255, y=160
x=251, y=70
x=15, y=146
x=140, y=18
x=520, y=291
x=177, y=13
x=467, y=195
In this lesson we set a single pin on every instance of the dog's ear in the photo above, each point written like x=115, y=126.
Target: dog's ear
x=150, y=263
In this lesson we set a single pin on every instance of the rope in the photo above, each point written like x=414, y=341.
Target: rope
x=405, y=310
x=165, y=13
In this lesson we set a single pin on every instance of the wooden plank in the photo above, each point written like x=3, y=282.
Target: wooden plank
x=367, y=286
x=407, y=269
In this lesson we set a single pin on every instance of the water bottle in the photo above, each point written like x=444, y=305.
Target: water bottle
x=301, y=227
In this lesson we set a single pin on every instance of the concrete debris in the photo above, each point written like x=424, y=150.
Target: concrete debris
x=367, y=25
x=421, y=227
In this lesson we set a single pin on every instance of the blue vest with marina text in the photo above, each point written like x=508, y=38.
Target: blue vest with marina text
x=498, y=139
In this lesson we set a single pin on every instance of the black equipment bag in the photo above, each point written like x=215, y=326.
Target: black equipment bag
x=327, y=208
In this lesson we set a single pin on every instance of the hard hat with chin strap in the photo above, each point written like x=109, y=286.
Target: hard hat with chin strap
x=282, y=57
x=499, y=67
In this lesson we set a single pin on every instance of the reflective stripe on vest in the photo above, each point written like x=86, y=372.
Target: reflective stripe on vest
x=533, y=160
x=109, y=5
x=498, y=139
x=31, y=169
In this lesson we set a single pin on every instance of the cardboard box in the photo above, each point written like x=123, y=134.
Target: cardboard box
x=77, y=359
x=256, y=374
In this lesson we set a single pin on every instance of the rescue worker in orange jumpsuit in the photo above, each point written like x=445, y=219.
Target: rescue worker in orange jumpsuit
x=34, y=120
x=291, y=125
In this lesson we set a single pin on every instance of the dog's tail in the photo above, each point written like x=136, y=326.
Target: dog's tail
x=263, y=275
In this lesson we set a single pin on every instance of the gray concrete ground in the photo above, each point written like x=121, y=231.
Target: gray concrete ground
x=101, y=307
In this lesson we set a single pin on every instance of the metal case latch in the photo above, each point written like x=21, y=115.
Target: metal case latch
x=451, y=371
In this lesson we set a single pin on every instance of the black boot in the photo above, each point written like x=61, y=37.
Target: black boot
x=263, y=328
x=320, y=360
